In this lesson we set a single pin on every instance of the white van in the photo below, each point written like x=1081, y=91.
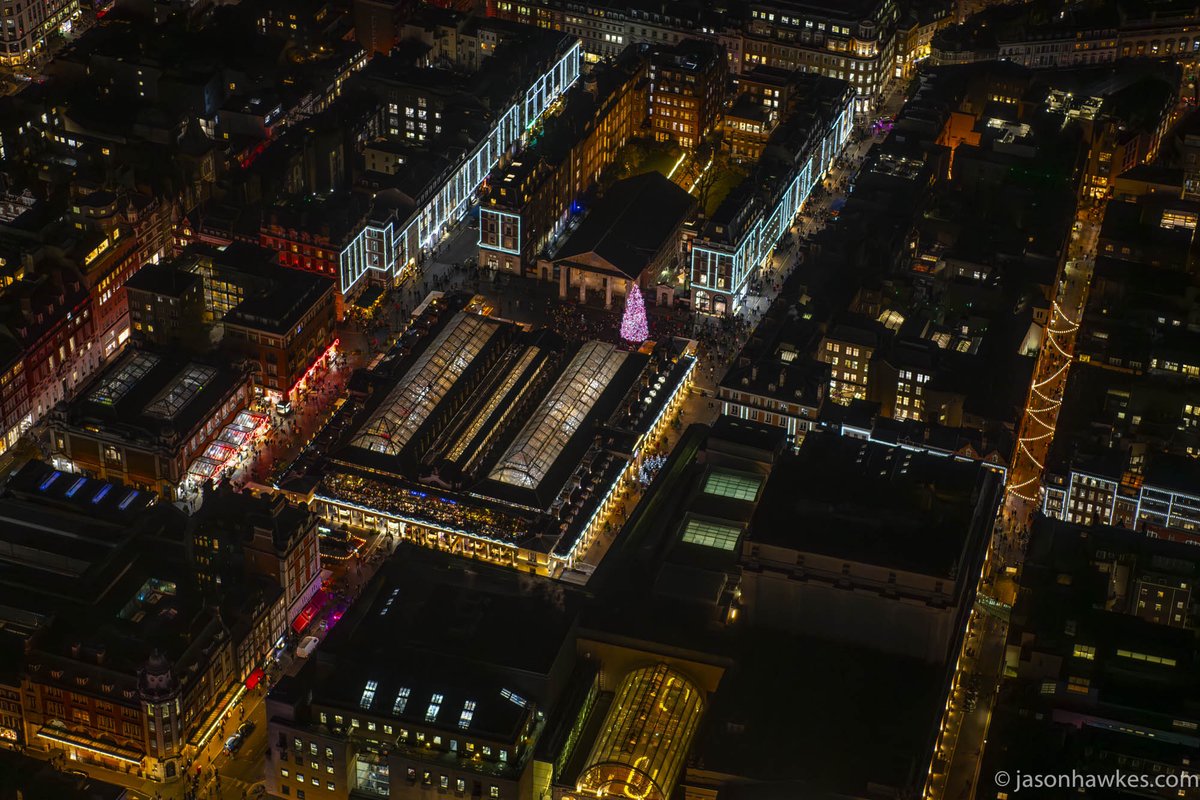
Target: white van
x=306, y=646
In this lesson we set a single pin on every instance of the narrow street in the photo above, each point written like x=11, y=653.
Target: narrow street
x=955, y=767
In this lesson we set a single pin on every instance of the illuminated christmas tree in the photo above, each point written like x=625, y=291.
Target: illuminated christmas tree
x=633, y=324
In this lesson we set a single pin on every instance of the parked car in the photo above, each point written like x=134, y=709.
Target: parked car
x=246, y=728
x=233, y=744
x=306, y=646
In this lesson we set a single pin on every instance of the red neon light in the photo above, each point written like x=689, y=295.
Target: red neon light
x=313, y=366
x=255, y=153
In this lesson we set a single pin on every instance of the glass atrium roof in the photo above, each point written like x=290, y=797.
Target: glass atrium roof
x=711, y=534
x=646, y=736
x=181, y=390
x=732, y=484
x=498, y=396
x=425, y=384
x=117, y=383
x=559, y=416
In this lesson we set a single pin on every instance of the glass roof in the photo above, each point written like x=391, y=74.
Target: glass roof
x=644, y=744
x=543, y=438
x=493, y=403
x=181, y=391
x=425, y=384
x=732, y=484
x=117, y=383
x=711, y=534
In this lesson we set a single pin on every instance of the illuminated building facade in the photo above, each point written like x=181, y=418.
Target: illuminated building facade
x=501, y=445
x=421, y=690
x=529, y=202
x=847, y=350
x=743, y=232
x=1162, y=507
x=283, y=331
x=26, y=26
x=389, y=243
x=631, y=236
x=854, y=42
x=687, y=90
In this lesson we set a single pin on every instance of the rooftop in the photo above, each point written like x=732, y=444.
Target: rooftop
x=146, y=395
x=882, y=505
x=630, y=223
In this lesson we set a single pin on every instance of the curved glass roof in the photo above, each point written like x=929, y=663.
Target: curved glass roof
x=498, y=396
x=644, y=744
x=425, y=384
x=543, y=438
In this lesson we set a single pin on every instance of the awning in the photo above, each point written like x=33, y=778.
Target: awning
x=248, y=420
x=204, y=468
x=309, y=611
x=219, y=452
x=234, y=437
x=254, y=678
x=83, y=742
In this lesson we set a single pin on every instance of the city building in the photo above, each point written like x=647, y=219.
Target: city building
x=236, y=537
x=531, y=74
x=1102, y=642
x=750, y=221
x=283, y=331
x=704, y=612
x=424, y=686
x=309, y=232
x=632, y=234
x=687, y=90
x=27, y=28
x=746, y=127
x=529, y=203
x=854, y=42
x=523, y=474
x=125, y=667
x=47, y=314
x=166, y=307
x=848, y=349
x=775, y=380
x=844, y=545
x=1075, y=37
x=151, y=416
x=377, y=24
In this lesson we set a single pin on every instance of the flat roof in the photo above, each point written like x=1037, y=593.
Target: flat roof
x=871, y=503
x=280, y=306
x=145, y=393
x=431, y=606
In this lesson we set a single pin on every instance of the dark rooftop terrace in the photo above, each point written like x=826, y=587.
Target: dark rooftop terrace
x=851, y=499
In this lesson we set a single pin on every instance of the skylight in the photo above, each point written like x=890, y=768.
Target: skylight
x=368, y=695
x=401, y=700
x=435, y=706
x=468, y=713
x=711, y=534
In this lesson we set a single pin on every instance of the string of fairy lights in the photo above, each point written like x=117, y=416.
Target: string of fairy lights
x=1048, y=392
